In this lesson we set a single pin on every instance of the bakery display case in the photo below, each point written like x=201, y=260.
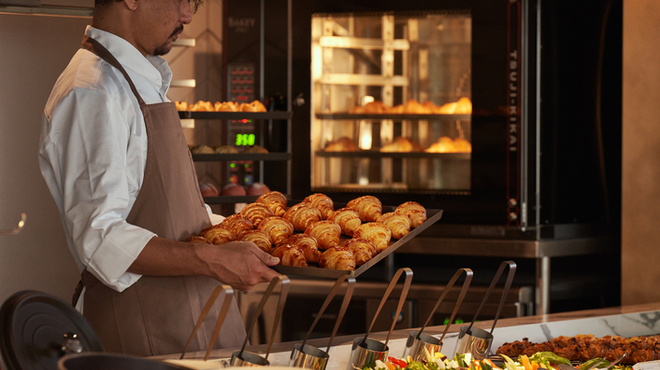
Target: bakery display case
x=391, y=102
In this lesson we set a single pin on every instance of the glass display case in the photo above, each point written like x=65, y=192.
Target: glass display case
x=391, y=102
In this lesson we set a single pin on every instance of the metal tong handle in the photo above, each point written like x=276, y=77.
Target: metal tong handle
x=402, y=298
x=507, y=285
x=278, y=313
x=226, y=303
x=342, y=310
x=461, y=296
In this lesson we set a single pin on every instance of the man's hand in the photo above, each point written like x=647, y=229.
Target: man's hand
x=240, y=264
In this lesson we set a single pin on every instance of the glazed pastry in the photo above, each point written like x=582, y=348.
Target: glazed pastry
x=399, y=224
x=322, y=202
x=307, y=244
x=198, y=239
x=227, y=106
x=415, y=212
x=362, y=249
x=256, y=212
x=347, y=218
x=328, y=233
x=218, y=234
x=277, y=228
x=289, y=256
x=237, y=223
x=368, y=207
x=376, y=233
x=274, y=200
x=343, y=144
x=258, y=237
x=302, y=215
x=337, y=258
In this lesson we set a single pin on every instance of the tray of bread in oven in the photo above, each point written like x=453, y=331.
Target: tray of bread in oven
x=318, y=237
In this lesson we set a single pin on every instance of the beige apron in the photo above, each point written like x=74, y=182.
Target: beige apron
x=156, y=315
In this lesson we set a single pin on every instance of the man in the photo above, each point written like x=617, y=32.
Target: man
x=114, y=157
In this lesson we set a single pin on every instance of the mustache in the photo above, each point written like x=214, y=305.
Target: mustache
x=177, y=30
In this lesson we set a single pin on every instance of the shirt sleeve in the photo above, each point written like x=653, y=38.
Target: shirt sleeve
x=86, y=146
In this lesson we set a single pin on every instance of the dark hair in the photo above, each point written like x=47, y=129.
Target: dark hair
x=194, y=4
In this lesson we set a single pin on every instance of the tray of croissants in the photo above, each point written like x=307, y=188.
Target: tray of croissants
x=317, y=237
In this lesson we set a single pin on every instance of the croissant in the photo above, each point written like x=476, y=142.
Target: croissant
x=362, y=249
x=347, y=218
x=337, y=259
x=307, y=244
x=277, y=228
x=258, y=237
x=322, y=202
x=376, y=233
x=274, y=200
x=368, y=207
x=218, y=234
x=398, y=224
x=256, y=212
x=326, y=232
x=415, y=212
x=237, y=224
x=289, y=256
x=302, y=215
x=198, y=239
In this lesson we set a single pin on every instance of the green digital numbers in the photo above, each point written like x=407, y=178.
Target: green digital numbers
x=244, y=139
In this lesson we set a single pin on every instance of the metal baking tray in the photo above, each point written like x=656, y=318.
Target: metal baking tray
x=433, y=215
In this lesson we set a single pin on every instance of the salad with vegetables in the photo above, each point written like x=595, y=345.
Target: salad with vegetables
x=438, y=361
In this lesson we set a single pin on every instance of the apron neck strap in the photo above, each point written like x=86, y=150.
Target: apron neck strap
x=95, y=47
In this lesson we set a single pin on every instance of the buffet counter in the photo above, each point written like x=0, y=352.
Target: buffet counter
x=626, y=321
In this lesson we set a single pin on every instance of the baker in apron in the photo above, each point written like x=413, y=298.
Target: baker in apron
x=157, y=314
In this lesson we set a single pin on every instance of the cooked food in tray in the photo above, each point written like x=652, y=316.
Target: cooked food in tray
x=412, y=106
x=227, y=106
x=312, y=233
x=587, y=346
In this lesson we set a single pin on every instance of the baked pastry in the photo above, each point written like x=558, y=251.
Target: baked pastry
x=307, y=244
x=368, y=207
x=326, y=232
x=198, y=239
x=302, y=215
x=401, y=145
x=343, y=144
x=202, y=149
x=202, y=106
x=277, y=228
x=181, y=105
x=399, y=224
x=375, y=107
x=255, y=106
x=337, y=258
x=448, y=108
x=289, y=256
x=274, y=200
x=430, y=107
x=227, y=106
x=462, y=146
x=347, y=218
x=218, y=234
x=362, y=249
x=413, y=107
x=415, y=212
x=225, y=149
x=358, y=109
x=255, y=149
x=398, y=109
x=376, y=233
x=463, y=106
x=444, y=144
x=258, y=237
x=256, y=212
x=322, y=202
x=237, y=224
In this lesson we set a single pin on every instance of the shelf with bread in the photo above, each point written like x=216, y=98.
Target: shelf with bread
x=228, y=110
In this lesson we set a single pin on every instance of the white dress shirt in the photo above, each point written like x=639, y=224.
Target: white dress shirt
x=93, y=152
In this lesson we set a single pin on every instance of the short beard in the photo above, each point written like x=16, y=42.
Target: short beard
x=167, y=46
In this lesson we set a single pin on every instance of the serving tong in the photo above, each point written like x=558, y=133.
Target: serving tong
x=418, y=343
x=307, y=356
